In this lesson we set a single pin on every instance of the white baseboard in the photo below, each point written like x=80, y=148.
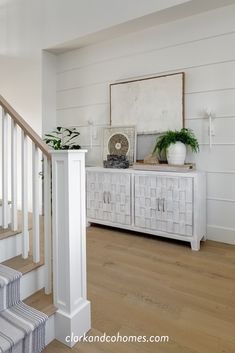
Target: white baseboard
x=77, y=324
x=221, y=234
x=50, y=329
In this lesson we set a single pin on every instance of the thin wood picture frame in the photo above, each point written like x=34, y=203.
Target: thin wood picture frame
x=150, y=107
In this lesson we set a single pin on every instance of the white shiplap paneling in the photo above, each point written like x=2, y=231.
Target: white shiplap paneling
x=159, y=37
x=80, y=115
x=210, y=77
x=224, y=129
x=203, y=47
x=221, y=186
x=219, y=158
x=84, y=96
x=221, y=213
x=192, y=54
x=221, y=102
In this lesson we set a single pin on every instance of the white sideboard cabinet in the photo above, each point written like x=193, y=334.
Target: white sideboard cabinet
x=167, y=204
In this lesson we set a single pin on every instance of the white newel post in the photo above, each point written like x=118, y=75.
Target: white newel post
x=69, y=245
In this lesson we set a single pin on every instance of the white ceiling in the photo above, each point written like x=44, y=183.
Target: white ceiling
x=188, y=8
x=32, y=25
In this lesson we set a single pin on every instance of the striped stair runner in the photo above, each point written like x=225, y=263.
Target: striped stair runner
x=22, y=328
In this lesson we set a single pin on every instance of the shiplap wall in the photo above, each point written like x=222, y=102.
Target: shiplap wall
x=202, y=46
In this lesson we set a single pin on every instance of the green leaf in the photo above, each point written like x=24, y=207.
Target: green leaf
x=185, y=136
x=62, y=138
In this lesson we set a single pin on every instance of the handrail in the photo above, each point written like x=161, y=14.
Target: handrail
x=25, y=127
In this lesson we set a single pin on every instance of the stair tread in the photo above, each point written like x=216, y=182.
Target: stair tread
x=6, y=233
x=26, y=265
x=42, y=302
x=23, y=265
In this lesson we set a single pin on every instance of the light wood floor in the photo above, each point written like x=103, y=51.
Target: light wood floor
x=144, y=286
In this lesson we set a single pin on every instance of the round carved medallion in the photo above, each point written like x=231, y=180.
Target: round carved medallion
x=118, y=144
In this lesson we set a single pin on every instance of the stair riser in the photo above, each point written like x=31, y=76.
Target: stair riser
x=10, y=247
x=32, y=282
x=9, y=215
x=50, y=329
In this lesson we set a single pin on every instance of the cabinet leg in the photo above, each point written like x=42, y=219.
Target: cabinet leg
x=204, y=238
x=88, y=224
x=195, y=245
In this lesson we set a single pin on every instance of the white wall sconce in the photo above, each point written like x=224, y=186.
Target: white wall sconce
x=93, y=132
x=211, y=129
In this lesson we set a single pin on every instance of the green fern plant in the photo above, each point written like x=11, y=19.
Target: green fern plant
x=185, y=136
x=63, y=139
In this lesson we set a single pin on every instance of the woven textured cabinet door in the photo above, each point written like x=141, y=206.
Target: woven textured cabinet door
x=167, y=204
x=164, y=203
x=109, y=197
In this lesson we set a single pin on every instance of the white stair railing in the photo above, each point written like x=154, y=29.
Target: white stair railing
x=25, y=196
x=14, y=216
x=47, y=224
x=17, y=174
x=4, y=170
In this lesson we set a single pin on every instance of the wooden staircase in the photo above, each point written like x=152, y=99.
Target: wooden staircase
x=25, y=235
x=33, y=280
x=46, y=183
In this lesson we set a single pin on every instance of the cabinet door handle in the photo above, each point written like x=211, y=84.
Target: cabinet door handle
x=163, y=205
x=104, y=196
x=158, y=205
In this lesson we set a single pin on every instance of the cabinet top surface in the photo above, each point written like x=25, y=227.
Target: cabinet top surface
x=137, y=171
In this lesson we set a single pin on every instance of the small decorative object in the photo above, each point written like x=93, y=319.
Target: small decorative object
x=176, y=153
x=151, y=159
x=115, y=161
x=120, y=141
x=187, y=167
x=174, y=143
x=63, y=139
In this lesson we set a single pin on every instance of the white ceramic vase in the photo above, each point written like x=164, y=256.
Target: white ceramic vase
x=176, y=153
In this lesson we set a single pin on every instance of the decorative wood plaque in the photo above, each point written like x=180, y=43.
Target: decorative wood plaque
x=120, y=141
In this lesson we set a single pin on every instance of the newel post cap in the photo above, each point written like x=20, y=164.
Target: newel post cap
x=81, y=151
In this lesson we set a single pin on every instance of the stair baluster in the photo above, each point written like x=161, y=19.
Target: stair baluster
x=14, y=215
x=36, y=213
x=47, y=225
x=25, y=221
x=4, y=169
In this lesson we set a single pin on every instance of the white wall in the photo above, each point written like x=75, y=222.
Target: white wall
x=29, y=26
x=203, y=47
x=49, y=65
x=65, y=21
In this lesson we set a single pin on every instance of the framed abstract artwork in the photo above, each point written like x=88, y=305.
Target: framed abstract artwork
x=153, y=104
